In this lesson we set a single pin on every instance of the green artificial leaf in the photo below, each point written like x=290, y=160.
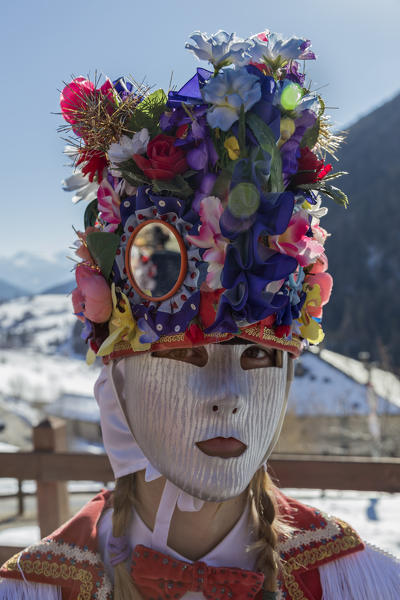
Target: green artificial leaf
x=335, y=175
x=148, y=112
x=134, y=179
x=322, y=106
x=310, y=137
x=242, y=133
x=132, y=173
x=329, y=190
x=178, y=186
x=103, y=247
x=222, y=184
x=266, y=139
x=91, y=214
x=188, y=174
x=336, y=194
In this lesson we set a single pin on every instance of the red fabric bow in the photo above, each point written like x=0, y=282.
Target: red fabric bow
x=160, y=576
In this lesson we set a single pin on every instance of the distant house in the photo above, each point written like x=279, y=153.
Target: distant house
x=337, y=406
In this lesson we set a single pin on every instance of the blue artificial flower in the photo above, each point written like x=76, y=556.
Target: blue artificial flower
x=227, y=93
x=219, y=49
x=276, y=46
x=245, y=276
x=123, y=87
x=190, y=93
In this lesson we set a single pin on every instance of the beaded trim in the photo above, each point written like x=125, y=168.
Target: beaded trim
x=252, y=333
x=314, y=557
x=62, y=571
x=268, y=335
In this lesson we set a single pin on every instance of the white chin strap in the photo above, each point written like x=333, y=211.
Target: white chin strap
x=123, y=451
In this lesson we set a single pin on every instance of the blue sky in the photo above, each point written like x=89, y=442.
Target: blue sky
x=44, y=42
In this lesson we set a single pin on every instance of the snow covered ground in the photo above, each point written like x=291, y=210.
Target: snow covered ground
x=34, y=377
x=42, y=323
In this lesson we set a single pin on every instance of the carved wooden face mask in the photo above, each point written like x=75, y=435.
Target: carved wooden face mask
x=206, y=418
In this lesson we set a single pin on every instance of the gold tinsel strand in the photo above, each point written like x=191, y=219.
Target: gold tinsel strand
x=101, y=121
x=328, y=142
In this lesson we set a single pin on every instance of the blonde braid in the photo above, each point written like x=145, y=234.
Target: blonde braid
x=264, y=512
x=123, y=503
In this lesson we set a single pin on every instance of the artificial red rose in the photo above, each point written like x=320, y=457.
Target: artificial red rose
x=313, y=167
x=164, y=159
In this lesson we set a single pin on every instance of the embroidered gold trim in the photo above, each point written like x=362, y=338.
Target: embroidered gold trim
x=314, y=555
x=216, y=335
x=52, y=570
x=267, y=335
x=122, y=346
x=179, y=337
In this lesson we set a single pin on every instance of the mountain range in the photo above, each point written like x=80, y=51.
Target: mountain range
x=364, y=250
x=32, y=274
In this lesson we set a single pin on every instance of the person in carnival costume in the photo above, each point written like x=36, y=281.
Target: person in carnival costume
x=226, y=176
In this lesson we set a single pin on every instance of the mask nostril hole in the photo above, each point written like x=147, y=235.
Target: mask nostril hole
x=234, y=411
x=215, y=408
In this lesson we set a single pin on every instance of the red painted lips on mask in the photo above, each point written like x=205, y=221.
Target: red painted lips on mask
x=222, y=447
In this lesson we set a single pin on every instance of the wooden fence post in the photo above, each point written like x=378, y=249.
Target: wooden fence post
x=52, y=496
x=20, y=495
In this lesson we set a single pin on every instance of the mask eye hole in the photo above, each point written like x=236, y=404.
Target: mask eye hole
x=258, y=357
x=195, y=356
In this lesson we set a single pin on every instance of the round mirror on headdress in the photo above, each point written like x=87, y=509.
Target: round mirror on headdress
x=156, y=260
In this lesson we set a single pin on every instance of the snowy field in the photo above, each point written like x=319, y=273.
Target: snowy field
x=31, y=376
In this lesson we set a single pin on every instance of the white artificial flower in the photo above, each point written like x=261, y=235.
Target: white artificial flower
x=77, y=182
x=220, y=48
x=80, y=184
x=126, y=148
x=316, y=210
x=274, y=45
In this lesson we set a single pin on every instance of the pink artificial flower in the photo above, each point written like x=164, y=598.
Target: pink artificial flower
x=325, y=283
x=210, y=237
x=92, y=298
x=73, y=98
x=108, y=203
x=263, y=35
x=320, y=265
x=75, y=95
x=294, y=241
x=78, y=303
x=319, y=233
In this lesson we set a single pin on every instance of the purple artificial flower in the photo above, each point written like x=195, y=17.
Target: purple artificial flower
x=293, y=74
x=204, y=188
x=290, y=150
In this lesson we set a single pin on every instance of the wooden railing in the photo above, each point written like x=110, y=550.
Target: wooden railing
x=51, y=466
x=287, y=470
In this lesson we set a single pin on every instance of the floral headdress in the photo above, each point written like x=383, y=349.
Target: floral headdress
x=226, y=175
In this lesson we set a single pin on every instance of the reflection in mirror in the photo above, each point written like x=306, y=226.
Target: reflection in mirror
x=156, y=260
